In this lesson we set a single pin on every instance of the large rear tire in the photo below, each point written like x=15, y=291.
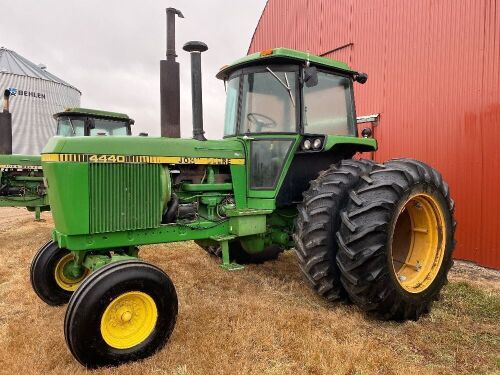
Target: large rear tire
x=319, y=220
x=123, y=312
x=396, y=240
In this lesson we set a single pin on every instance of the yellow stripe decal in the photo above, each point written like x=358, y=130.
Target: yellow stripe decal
x=50, y=157
x=97, y=158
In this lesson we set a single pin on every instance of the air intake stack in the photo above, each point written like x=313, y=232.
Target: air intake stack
x=195, y=48
x=6, y=126
x=170, y=83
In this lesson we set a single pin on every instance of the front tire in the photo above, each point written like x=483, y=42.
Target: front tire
x=396, y=240
x=123, y=312
x=47, y=275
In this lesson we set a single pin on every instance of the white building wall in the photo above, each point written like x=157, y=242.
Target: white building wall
x=33, y=104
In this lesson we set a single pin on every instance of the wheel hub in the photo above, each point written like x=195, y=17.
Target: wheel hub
x=128, y=320
x=65, y=276
x=126, y=316
x=418, y=242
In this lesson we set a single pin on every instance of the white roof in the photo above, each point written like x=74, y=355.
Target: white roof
x=13, y=63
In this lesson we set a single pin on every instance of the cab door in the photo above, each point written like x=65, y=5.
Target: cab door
x=268, y=122
x=268, y=160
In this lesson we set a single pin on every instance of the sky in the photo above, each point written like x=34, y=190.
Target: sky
x=111, y=50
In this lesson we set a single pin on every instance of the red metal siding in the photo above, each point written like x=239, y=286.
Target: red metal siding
x=434, y=69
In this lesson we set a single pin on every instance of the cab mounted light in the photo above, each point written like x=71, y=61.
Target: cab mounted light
x=361, y=78
x=317, y=144
x=366, y=133
x=266, y=52
x=312, y=143
x=306, y=145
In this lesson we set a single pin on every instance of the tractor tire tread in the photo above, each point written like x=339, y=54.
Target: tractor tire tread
x=318, y=220
x=362, y=255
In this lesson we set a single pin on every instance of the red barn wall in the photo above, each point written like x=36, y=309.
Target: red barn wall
x=434, y=77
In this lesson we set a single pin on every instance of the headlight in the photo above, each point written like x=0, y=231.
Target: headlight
x=317, y=144
x=366, y=133
x=306, y=145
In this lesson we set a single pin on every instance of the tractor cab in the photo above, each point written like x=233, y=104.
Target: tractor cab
x=75, y=122
x=280, y=91
x=290, y=108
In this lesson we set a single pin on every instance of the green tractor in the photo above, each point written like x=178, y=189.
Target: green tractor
x=21, y=176
x=284, y=176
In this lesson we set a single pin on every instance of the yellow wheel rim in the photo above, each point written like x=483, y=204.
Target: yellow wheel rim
x=128, y=320
x=67, y=283
x=418, y=243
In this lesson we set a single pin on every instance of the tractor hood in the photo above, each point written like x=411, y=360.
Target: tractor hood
x=83, y=147
x=87, y=176
x=19, y=161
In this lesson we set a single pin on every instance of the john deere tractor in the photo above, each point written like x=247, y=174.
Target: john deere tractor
x=284, y=176
x=21, y=176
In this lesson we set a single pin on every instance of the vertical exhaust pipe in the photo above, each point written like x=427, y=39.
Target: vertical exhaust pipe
x=170, y=83
x=6, y=126
x=6, y=101
x=195, y=49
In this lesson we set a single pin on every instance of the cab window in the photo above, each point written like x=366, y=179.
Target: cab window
x=269, y=101
x=267, y=158
x=70, y=127
x=109, y=127
x=233, y=88
x=328, y=106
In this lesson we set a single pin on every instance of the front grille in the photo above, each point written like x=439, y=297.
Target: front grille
x=124, y=197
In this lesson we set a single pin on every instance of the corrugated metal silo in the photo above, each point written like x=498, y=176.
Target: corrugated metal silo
x=36, y=95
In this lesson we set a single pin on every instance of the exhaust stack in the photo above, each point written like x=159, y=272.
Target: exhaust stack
x=195, y=48
x=170, y=83
x=6, y=126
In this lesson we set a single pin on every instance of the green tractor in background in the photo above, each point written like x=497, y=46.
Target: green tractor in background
x=283, y=177
x=21, y=176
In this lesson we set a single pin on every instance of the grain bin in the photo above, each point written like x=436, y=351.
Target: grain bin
x=36, y=95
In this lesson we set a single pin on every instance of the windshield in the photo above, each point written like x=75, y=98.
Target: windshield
x=268, y=101
x=75, y=127
x=70, y=127
x=109, y=127
x=328, y=106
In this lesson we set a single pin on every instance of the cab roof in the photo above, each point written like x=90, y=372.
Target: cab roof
x=282, y=55
x=93, y=113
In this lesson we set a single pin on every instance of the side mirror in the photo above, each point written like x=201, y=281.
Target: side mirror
x=361, y=78
x=311, y=76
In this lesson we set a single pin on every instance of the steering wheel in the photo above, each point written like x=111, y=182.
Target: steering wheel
x=261, y=121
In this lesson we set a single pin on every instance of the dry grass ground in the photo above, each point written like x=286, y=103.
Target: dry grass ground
x=262, y=320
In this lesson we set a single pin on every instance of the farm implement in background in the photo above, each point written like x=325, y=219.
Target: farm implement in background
x=21, y=176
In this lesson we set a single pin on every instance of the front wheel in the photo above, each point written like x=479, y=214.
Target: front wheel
x=396, y=240
x=48, y=277
x=123, y=312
